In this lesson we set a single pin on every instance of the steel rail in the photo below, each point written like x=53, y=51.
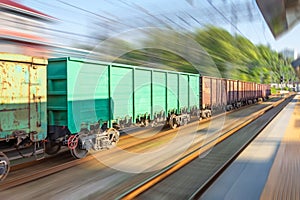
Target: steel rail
x=218, y=172
x=172, y=168
x=40, y=174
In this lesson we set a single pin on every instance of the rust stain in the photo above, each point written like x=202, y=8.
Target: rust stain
x=21, y=77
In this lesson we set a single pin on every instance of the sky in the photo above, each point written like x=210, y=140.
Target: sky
x=84, y=20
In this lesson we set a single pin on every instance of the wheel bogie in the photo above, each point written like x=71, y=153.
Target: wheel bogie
x=178, y=120
x=81, y=143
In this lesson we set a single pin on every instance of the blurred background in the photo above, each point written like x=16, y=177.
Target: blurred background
x=232, y=34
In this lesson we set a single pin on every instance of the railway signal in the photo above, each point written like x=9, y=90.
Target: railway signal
x=281, y=79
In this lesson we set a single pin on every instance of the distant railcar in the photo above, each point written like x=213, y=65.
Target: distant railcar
x=213, y=93
x=219, y=94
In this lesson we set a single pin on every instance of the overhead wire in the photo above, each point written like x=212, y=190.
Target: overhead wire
x=225, y=18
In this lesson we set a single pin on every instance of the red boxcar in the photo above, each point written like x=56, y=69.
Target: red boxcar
x=216, y=94
x=213, y=93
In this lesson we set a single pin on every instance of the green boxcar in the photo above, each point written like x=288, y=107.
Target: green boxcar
x=23, y=97
x=78, y=93
x=84, y=92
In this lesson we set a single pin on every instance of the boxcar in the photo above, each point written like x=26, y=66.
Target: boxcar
x=218, y=94
x=86, y=95
x=246, y=92
x=23, y=103
x=264, y=91
x=213, y=95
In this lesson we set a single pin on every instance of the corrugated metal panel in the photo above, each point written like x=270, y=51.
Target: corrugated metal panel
x=194, y=91
x=78, y=93
x=88, y=100
x=242, y=90
x=255, y=90
x=228, y=97
x=122, y=91
x=235, y=91
x=159, y=92
x=14, y=96
x=224, y=92
x=259, y=90
x=230, y=92
x=219, y=92
x=206, y=92
x=268, y=88
x=104, y=105
x=57, y=93
x=214, y=92
x=22, y=96
x=172, y=91
x=142, y=92
x=250, y=90
x=38, y=101
x=183, y=91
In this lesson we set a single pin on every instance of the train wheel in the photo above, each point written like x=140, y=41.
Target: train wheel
x=208, y=115
x=74, y=145
x=51, y=147
x=4, y=166
x=114, y=136
x=78, y=153
x=173, y=121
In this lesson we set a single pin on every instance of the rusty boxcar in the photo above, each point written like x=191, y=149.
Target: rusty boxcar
x=213, y=95
x=23, y=98
x=219, y=94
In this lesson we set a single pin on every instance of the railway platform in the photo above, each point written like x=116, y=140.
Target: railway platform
x=269, y=168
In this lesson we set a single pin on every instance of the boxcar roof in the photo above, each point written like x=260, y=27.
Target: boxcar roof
x=23, y=58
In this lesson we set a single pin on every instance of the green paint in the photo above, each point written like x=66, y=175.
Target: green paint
x=82, y=92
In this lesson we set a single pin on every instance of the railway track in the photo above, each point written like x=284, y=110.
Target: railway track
x=46, y=171
x=133, y=136
x=22, y=176
x=166, y=183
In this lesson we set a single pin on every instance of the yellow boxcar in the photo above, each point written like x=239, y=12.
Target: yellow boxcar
x=23, y=96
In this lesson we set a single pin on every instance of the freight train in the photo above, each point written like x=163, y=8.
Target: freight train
x=82, y=104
